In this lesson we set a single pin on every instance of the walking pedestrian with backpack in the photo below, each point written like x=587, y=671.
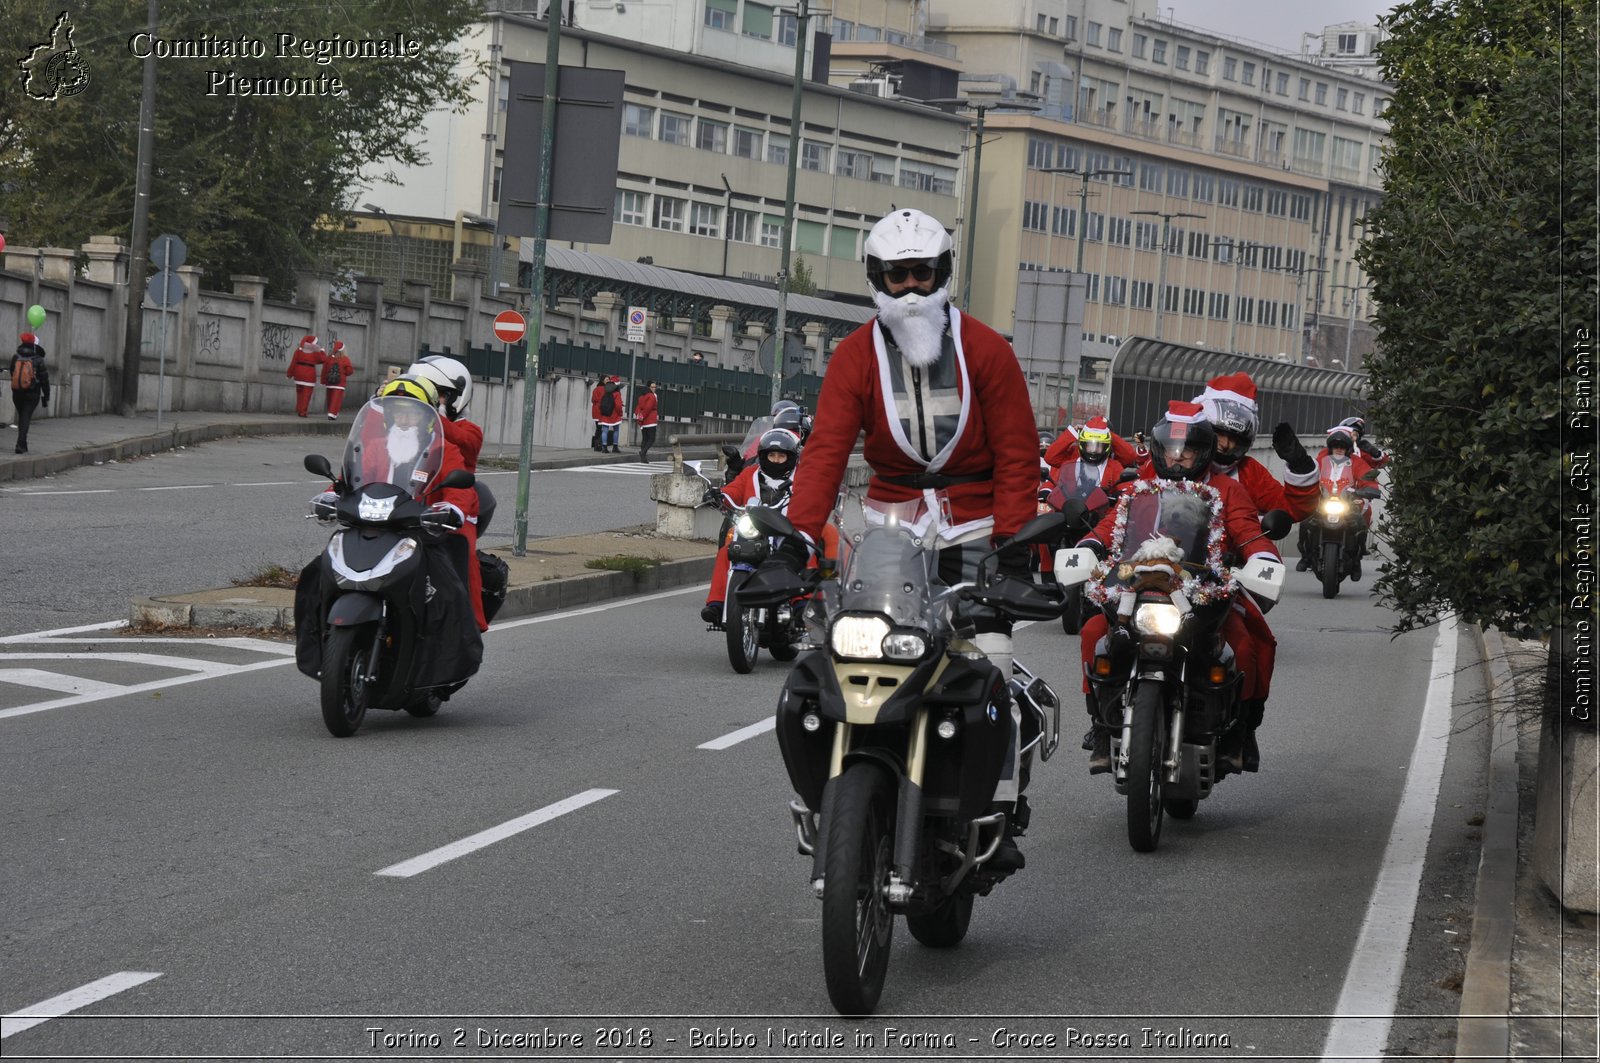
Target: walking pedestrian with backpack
x=30, y=385
x=336, y=377
x=610, y=415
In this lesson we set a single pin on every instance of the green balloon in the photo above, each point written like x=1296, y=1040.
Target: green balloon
x=36, y=315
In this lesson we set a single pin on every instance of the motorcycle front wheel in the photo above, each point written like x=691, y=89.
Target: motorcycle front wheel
x=1330, y=570
x=349, y=657
x=743, y=631
x=856, y=921
x=1147, y=770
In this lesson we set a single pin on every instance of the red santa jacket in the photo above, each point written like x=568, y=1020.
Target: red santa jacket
x=1241, y=522
x=644, y=410
x=465, y=500
x=1065, y=448
x=336, y=370
x=615, y=416
x=1297, y=495
x=594, y=400
x=303, y=366
x=993, y=435
x=1359, y=467
x=467, y=437
x=1067, y=473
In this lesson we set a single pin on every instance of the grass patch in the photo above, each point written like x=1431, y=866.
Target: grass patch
x=624, y=563
x=269, y=575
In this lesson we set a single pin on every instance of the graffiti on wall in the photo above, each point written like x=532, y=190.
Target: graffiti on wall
x=347, y=313
x=276, y=343
x=210, y=339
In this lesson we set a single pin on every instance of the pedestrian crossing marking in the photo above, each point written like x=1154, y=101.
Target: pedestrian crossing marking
x=627, y=468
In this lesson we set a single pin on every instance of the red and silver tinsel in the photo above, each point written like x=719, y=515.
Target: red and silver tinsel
x=1218, y=582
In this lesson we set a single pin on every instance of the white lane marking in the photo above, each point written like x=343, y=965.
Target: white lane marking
x=625, y=468
x=179, y=487
x=37, y=636
x=418, y=864
x=278, y=649
x=733, y=738
x=545, y=618
x=96, y=491
x=275, y=483
x=181, y=664
x=1372, y=982
x=72, y=1000
x=60, y=683
x=141, y=688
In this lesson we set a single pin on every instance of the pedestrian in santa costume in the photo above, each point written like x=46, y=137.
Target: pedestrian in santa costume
x=308, y=358
x=947, y=418
x=336, y=372
x=646, y=415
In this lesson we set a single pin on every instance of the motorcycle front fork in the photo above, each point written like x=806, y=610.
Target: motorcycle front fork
x=1173, y=757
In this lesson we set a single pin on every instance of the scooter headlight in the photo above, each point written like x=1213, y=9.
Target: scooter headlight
x=859, y=637
x=746, y=527
x=1157, y=618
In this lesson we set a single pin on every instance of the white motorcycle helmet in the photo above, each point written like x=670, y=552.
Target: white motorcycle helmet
x=450, y=377
x=909, y=234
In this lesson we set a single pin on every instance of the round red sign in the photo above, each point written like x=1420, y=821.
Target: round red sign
x=510, y=326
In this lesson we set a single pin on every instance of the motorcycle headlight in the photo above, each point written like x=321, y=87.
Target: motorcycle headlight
x=746, y=527
x=1157, y=618
x=859, y=637
x=904, y=646
x=1335, y=507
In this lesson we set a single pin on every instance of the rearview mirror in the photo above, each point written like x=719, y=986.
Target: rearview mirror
x=1275, y=524
x=770, y=521
x=317, y=463
x=458, y=478
x=1042, y=528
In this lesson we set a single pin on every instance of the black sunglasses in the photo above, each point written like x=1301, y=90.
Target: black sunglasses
x=898, y=274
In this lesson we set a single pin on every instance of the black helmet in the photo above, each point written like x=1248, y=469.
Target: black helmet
x=783, y=404
x=1183, y=429
x=777, y=452
x=1341, y=436
x=791, y=419
x=1357, y=426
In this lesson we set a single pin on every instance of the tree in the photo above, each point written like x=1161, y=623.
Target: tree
x=800, y=279
x=1483, y=262
x=244, y=169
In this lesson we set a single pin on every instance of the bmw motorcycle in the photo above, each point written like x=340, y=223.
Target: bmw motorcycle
x=895, y=733
x=1166, y=684
x=382, y=616
x=1333, y=538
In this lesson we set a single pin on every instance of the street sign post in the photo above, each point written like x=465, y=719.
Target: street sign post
x=166, y=290
x=510, y=326
x=636, y=319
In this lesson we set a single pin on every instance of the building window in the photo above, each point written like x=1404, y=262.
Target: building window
x=842, y=242
x=712, y=136
x=1141, y=295
x=787, y=31
x=813, y=156
x=1114, y=39
x=675, y=128
x=1039, y=22
x=809, y=236
x=1277, y=203
x=1229, y=65
x=1095, y=229
x=1146, y=236
x=758, y=22
x=771, y=231
x=1283, y=84
x=638, y=121
x=1181, y=60
x=1347, y=44
x=1252, y=198
x=1092, y=287
x=1034, y=215
x=1072, y=27
x=669, y=213
x=856, y=164
x=1341, y=99
x=1094, y=34
x=1064, y=221
x=1227, y=192
x=1116, y=290
x=747, y=142
x=1158, y=52
x=1177, y=182
x=1202, y=62
x=1055, y=24
x=629, y=208
x=743, y=226
x=1305, y=90
x=1246, y=310
x=720, y=14
x=1322, y=93
x=1359, y=103
x=1121, y=232
x=778, y=149
x=705, y=219
x=843, y=30
x=1249, y=74
x=1219, y=306
x=1309, y=145
x=1140, y=42
x=1150, y=176
x=1204, y=187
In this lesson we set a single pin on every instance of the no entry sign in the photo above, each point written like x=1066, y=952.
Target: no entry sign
x=510, y=326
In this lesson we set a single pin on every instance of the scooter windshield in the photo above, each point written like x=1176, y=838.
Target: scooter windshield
x=1171, y=512
x=891, y=568
x=395, y=440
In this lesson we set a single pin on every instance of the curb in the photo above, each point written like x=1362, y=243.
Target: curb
x=1483, y=1027
x=25, y=467
x=526, y=600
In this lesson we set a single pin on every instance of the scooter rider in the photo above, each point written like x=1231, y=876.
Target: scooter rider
x=1341, y=445
x=948, y=420
x=454, y=383
x=766, y=482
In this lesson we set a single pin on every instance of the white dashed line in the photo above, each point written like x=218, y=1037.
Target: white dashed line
x=733, y=738
x=72, y=1000
x=418, y=864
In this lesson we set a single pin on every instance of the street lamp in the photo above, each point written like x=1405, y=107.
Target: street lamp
x=463, y=219
x=400, y=248
x=1353, y=291
x=727, y=222
x=1161, y=283
x=1083, y=177
x=968, y=229
x=1238, y=248
x=1305, y=330
x=802, y=15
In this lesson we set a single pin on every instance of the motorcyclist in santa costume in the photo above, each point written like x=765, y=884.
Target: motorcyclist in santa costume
x=766, y=482
x=1091, y=460
x=1341, y=444
x=947, y=418
x=1182, y=447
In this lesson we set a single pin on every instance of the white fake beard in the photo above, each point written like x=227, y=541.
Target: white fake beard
x=404, y=444
x=917, y=323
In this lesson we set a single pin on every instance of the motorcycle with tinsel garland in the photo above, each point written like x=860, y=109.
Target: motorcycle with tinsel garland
x=1163, y=682
x=895, y=733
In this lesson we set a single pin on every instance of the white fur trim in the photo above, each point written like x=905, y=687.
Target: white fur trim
x=1300, y=479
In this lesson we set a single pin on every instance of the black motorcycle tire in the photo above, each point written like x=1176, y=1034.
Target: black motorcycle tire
x=1181, y=807
x=425, y=705
x=348, y=653
x=857, y=924
x=1147, y=776
x=783, y=651
x=742, y=631
x=946, y=925
x=1331, y=573
x=1072, y=617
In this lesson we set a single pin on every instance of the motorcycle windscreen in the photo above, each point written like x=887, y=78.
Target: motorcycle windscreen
x=889, y=573
x=395, y=440
x=758, y=428
x=1182, y=517
x=1336, y=473
x=1073, y=483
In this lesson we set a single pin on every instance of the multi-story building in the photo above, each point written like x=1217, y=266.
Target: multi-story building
x=705, y=143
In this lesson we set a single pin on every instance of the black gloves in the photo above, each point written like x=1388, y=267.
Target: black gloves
x=790, y=554
x=1370, y=449
x=1094, y=546
x=1014, y=561
x=1287, y=446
